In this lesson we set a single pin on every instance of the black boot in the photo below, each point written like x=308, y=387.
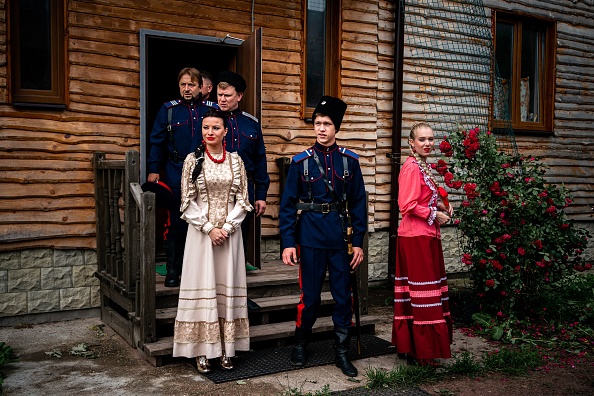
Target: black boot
x=252, y=305
x=172, y=264
x=301, y=339
x=342, y=340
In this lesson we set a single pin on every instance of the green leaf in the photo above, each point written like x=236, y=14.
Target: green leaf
x=497, y=333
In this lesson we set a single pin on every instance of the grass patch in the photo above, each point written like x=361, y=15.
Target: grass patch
x=465, y=364
x=294, y=391
x=6, y=356
x=401, y=376
x=513, y=362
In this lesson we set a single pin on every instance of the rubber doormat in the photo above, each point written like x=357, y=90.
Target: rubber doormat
x=276, y=360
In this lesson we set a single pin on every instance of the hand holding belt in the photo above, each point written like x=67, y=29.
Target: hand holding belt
x=316, y=207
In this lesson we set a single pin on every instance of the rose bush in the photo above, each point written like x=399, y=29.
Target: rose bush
x=516, y=237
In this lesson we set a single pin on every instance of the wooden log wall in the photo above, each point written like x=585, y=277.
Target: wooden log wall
x=569, y=151
x=46, y=199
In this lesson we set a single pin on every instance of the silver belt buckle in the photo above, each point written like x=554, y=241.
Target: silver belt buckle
x=325, y=208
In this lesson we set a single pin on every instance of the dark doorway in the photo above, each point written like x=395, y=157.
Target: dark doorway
x=166, y=57
x=164, y=54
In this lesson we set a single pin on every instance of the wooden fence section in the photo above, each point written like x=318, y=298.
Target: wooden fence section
x=125, y=248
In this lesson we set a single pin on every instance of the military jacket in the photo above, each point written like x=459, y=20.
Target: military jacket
x=314, y=228
x=245, y=138
x=168, y=150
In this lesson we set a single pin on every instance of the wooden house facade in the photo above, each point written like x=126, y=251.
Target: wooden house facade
x=113, y=63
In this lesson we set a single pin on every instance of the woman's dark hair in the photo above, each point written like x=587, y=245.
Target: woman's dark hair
x=214, y=113
x=199, y=153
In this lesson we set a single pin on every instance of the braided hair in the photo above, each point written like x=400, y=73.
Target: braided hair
x=422, y=164
x=199, y=153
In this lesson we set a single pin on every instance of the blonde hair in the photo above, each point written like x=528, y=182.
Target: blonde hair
x=421, y=163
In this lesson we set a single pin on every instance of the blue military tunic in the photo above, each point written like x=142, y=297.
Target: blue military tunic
x=169, y=150
x=319, y=235
x=316, y=229
x=245, y=138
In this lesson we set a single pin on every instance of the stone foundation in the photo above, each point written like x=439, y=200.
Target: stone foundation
x=46, y=280
x=39, y=281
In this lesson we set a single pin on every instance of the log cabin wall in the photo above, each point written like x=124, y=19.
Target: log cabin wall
x=47, y=216
x=47, y=223
x=570, y=149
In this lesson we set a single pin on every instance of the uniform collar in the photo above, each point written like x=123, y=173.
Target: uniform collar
x=325, y=149
x=230, y=113
x=193, y=102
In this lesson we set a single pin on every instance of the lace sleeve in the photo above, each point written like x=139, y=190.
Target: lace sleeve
x=188, y=189
x=239, y=194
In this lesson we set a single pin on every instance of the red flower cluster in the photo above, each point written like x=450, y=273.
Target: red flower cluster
x=538, y=244
x=552, y=210
x=490, y=283
x=442, y=167
x=446, y=148
x=471, y=143
x=470, y=190
x=496, y=189
x=496, y=265
x=521, y=251
x=467, y=259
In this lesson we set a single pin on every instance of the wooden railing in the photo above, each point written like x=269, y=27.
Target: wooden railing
x=126, y=270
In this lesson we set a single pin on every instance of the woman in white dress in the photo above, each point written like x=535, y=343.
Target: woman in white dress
x=212, y=317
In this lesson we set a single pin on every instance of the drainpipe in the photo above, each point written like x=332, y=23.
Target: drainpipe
x=396, y=135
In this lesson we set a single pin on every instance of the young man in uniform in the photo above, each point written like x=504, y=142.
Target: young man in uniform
x=177, y=131
x=325, y=183
x=245, y=137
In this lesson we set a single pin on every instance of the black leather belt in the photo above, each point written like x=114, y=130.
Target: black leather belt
x=176, y=158
x=324, y=208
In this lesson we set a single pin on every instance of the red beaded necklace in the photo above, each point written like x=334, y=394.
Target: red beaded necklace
x=216, y=161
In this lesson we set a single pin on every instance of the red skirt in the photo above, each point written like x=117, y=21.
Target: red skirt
x=422, y=322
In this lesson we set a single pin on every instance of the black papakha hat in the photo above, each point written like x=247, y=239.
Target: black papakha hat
x=331, y=107
x=233, y=79
x=163, y=194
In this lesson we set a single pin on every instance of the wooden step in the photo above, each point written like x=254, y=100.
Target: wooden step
x=268, y=332
x=274, y=279
x=267, y=304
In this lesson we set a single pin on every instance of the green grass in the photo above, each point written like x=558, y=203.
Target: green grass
x=512, y=362
x=401, y=376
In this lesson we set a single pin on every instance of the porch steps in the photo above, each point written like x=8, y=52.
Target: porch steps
x=267, y=305
x=268, y=332
x=275, y=287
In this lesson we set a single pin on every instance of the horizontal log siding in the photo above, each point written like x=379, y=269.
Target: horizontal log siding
x=47, y=199
x=569, y=151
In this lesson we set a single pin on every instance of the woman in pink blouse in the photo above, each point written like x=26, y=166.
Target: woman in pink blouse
x=422, y=328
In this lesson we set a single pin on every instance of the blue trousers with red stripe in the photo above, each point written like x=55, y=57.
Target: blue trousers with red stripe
x=312, y=272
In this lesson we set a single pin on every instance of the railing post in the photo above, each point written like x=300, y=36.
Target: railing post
x=131, y=223
x=148, y=331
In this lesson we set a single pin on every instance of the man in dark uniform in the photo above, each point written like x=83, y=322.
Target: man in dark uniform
x=245, y=138
x=177, y=131
x=326, y=184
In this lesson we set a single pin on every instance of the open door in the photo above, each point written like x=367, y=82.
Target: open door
x=158, y=83
x=249, y=66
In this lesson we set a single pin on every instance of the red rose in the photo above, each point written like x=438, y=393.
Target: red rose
x=521, y=251
x=490, y=283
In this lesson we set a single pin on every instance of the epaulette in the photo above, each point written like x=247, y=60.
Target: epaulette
x=348, y=153
x=172, y=103
x=248, y=115
x=211, y=104
x=303, y=155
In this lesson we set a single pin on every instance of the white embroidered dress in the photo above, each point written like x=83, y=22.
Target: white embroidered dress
x=212, y=310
